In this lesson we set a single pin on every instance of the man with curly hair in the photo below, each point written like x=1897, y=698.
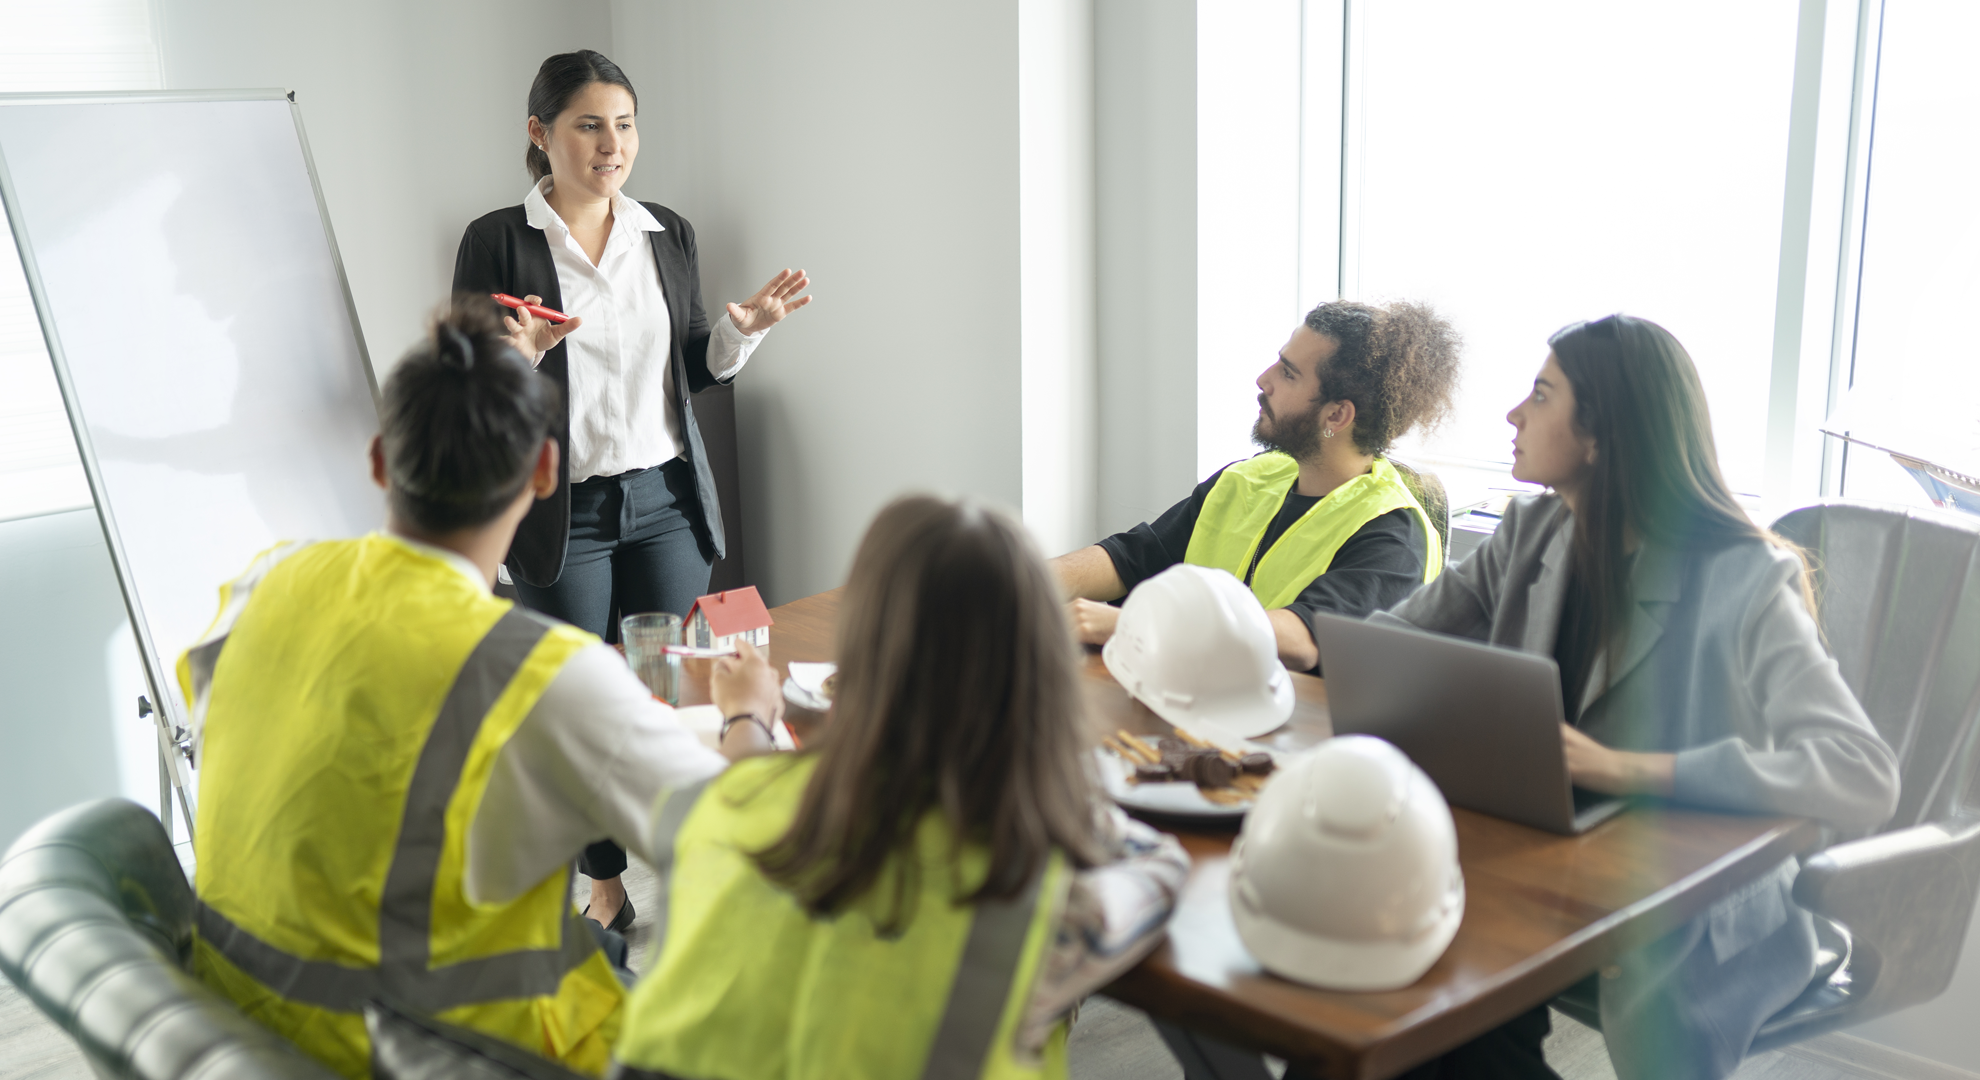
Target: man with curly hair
x=1321, y=521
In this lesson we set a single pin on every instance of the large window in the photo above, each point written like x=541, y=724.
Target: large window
x=67, y=46
x=1523, y=166
x=1916, y=383
x=1701, y=164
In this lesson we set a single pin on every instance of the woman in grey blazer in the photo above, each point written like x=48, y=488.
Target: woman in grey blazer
x=1692, y=668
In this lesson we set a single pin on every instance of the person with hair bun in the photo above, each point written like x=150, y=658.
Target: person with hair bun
x=397, y=767
x=633, y=523
x=1321, y=521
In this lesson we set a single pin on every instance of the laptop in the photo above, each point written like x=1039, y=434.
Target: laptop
x=1483, y=721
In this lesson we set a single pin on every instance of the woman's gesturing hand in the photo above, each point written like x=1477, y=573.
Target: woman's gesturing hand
x=532, y=336
x=1615, y=772
x=771, y=303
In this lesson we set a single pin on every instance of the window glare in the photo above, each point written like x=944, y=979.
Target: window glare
x=1530, y=165
x=1916, y=385
x=53, y=47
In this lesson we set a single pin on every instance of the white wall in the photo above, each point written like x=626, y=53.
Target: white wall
x=69, y=675
x=1056, y=269
x=415, y=116
x=1145, y=129
x=874, y=144
x=1247, y=175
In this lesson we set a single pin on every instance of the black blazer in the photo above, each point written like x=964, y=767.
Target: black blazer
x=500, y=252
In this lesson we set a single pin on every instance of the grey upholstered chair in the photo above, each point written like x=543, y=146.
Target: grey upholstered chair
x=1900, y=595
x=96, y=929
x=1429, y=492
x=1900, y=607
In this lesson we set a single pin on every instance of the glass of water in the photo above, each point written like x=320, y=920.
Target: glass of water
x=646, y=637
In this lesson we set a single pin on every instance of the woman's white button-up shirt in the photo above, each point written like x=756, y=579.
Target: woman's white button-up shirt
x=621, y=385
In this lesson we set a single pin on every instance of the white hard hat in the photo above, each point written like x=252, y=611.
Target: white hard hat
x=1194, y=645
x=1346, y=874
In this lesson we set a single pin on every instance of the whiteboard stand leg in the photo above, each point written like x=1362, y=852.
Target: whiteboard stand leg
x=174, y=750
x=165, y=794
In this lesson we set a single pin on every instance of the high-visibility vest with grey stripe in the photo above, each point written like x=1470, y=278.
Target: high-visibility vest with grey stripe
x=353, y=697
x=1249, y=495
x=746, y=983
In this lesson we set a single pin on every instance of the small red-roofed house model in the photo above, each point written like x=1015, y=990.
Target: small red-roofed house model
x=720, y=620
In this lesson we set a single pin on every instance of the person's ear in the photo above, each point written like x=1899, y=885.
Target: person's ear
x=1338, y=416
x=378, y=462
x=544, y=480
x=539, y=135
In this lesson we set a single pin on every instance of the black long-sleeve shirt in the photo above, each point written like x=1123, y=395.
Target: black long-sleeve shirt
x=1378, y=566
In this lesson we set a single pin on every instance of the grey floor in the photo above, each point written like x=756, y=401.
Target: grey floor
x=1110, y=1041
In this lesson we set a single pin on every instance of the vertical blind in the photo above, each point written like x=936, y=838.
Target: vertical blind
x=54, y=47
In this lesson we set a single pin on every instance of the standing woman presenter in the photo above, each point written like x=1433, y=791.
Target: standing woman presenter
x=635, y=522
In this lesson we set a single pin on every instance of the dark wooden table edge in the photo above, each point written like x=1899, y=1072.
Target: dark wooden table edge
x=1170, y=996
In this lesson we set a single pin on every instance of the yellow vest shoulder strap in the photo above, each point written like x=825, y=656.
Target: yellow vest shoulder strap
x=1249, y=494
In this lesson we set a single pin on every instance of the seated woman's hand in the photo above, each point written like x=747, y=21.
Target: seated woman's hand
x=1615, y=772
x=746, y=683
x=1092, y=621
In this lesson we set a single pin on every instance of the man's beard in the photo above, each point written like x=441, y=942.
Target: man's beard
x=1297, y=436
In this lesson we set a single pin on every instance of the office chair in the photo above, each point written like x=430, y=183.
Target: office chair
x=96, y=926
x=1429, y=492
x=1900, y=608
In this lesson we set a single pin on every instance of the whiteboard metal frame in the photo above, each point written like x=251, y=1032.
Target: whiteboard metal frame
x=169, y=719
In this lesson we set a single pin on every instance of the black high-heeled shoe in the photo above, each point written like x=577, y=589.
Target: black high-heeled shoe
x=621, y=922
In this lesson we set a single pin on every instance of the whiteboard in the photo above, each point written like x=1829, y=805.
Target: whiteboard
x=196, y=313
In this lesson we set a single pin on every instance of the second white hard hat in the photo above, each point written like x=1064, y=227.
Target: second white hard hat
x=1194, y=645
x=1346, y=874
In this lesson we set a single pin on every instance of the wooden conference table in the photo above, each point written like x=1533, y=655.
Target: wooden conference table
x=1541, y=911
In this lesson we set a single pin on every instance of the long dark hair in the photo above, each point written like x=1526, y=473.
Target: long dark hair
x=1656, y=472
x=958, y=693
x=557, y=82
x=463, y=418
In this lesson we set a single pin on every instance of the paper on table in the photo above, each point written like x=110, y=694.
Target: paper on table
x=706, y=723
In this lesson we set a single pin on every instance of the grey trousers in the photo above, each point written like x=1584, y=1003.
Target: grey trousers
x=635, y=546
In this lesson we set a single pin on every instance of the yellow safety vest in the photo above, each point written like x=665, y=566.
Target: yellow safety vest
x=1249, y=495
x=354, y=695
x=748, y=984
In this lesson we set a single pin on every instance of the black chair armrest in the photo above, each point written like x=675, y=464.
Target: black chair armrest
x=1906, y=897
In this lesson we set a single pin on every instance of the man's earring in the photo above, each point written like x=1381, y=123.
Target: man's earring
x=1327, y=433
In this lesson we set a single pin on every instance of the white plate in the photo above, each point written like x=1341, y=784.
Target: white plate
x=1178, y=798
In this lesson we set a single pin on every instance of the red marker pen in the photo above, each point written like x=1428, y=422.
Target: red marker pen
x=537, y=310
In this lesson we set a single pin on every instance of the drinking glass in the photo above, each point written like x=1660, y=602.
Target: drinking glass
x=646, y=637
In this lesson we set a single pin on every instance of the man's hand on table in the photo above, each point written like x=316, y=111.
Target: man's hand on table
x=746, y=685
x=1092, y=621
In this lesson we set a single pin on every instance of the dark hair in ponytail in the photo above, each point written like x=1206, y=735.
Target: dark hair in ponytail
x=463, y=419
x=557, y=82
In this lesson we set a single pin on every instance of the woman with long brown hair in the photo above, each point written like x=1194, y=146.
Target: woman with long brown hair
x=932, y=886
x=1691, y=668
